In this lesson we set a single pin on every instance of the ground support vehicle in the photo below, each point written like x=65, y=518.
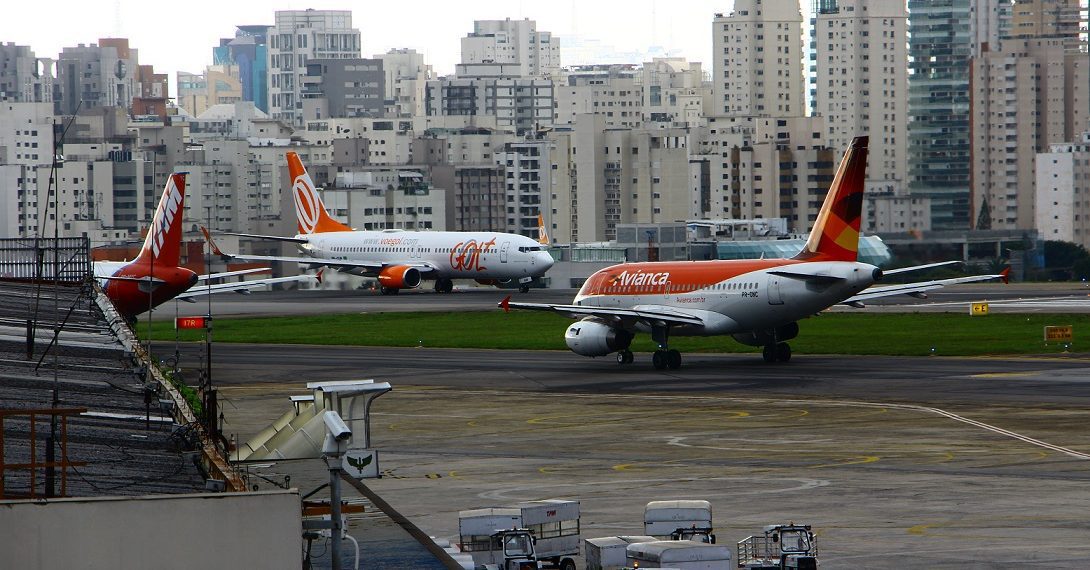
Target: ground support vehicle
x=679, y=520
x=782, y=546
x=502, y=547
x=610, y=552
x=679, y=554
x=553, y=523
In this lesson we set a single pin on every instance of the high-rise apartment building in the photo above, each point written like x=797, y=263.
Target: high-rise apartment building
x=515, y=43
x=1062, y=202
x=757, y=66
x=96, y=75
x=343, y=88
x=406, y=79
x=1026, y=96
x=24, y=77
x=298, y=37
x=943, y=36
x=861, y=81
x=248, y=52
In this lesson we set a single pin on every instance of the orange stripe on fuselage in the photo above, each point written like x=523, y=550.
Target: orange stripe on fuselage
x=673, y=276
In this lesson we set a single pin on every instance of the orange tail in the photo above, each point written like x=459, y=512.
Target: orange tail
x=309, y=209
x=163, y=243
x=835, y=236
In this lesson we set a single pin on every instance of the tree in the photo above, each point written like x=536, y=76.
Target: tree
x=984, y=220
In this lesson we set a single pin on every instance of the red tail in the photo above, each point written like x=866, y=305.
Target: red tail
x=835, y=236
x=309, y=209
x=164, y=240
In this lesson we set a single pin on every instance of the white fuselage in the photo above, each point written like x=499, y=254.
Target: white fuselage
x=447, y=255
x=729, y=302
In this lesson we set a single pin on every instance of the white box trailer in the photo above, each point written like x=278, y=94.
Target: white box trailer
x=662, y=518
x=553, y=522
x=680, y=554
x=610, y=552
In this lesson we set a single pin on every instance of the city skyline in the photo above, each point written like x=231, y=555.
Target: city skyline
x=182, y=40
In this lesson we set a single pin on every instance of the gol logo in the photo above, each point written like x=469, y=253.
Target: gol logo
x=466, y=255
x=308, y=206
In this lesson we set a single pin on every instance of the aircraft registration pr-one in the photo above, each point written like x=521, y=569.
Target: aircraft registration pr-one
x=156, y=275
x=758, y=302
x=401, y=259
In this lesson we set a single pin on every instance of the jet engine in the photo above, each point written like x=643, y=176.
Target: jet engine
x=399, y=277
x=592, y=337
x=767, y=337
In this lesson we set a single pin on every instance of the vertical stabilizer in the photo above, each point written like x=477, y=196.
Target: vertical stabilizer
x=309, y=209
x=835, y=236
x=542, y=234
x=163, y=243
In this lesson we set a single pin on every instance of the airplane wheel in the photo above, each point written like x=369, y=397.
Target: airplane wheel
x=783, y=352
x=390, y=290
x=673, y=359
x=769, y=353
x=444, y=285
x=625, y=357
x=524, y=288
x=658, y=359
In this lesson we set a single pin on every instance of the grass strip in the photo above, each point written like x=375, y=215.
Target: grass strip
x=902, y=334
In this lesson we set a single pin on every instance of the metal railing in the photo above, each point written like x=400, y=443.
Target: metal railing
x=43, y=259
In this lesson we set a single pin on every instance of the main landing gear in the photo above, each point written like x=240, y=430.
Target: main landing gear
x=524, y=288
x=389, y=290
x=444, y=285
x=665, y=357
x=777, y=352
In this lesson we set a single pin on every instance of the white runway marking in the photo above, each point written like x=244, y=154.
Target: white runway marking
x=909, y=407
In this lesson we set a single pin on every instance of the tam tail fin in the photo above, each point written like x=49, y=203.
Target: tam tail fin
x=163, y=243
x=542, y=234
x=309, y=209
x=835, y=236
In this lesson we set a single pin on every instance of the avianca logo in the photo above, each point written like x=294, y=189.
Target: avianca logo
x=164, y=217
x=308, y=207
x=640, y=278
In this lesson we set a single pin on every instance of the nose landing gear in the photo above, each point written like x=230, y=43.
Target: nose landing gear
x=777, y=352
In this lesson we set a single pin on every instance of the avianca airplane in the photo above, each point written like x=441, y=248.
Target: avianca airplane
x=400, y=259
x=155, y=276
x=758, y=302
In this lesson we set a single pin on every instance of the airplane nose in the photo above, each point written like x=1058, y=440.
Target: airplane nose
x=545, y=260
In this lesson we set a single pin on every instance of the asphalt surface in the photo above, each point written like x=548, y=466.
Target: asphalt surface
x=928, y=462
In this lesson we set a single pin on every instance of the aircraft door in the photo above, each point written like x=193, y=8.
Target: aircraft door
x=503, y=251
x=774, y=295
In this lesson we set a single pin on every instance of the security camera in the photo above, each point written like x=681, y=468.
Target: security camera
x=336, y=426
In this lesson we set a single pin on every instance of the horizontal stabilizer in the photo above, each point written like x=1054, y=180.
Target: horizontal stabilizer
x=647, y=314
x=809, y=277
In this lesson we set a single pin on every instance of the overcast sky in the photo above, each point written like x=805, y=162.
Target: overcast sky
x=175, y=36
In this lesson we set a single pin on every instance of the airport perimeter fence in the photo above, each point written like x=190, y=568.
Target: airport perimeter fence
x=30, y=260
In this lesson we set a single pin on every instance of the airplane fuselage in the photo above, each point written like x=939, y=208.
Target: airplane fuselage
x=447, y=255
x=730, y=296
x=131, y=296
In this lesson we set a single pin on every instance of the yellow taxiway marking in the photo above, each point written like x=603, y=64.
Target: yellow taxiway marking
x=920, y=529
x=1003, y=375
x=851, y=461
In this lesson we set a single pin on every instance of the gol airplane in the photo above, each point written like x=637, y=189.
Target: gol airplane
x=400, y=259
x=758, y=302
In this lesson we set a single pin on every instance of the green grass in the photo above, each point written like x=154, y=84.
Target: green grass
x=833, y=333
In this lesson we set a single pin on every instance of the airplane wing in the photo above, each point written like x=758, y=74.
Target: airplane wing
x=209, y=276
x=917, y=267
x=262, y=236
x=648, y=314
x=919, y=288
x=243, y=287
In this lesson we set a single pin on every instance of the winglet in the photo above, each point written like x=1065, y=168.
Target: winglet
x=208, y=237
x=542, y=235
x=1006, y=275
x=318, y=275
x=505, y=304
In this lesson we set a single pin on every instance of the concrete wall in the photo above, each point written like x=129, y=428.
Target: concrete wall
x=215, y=530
